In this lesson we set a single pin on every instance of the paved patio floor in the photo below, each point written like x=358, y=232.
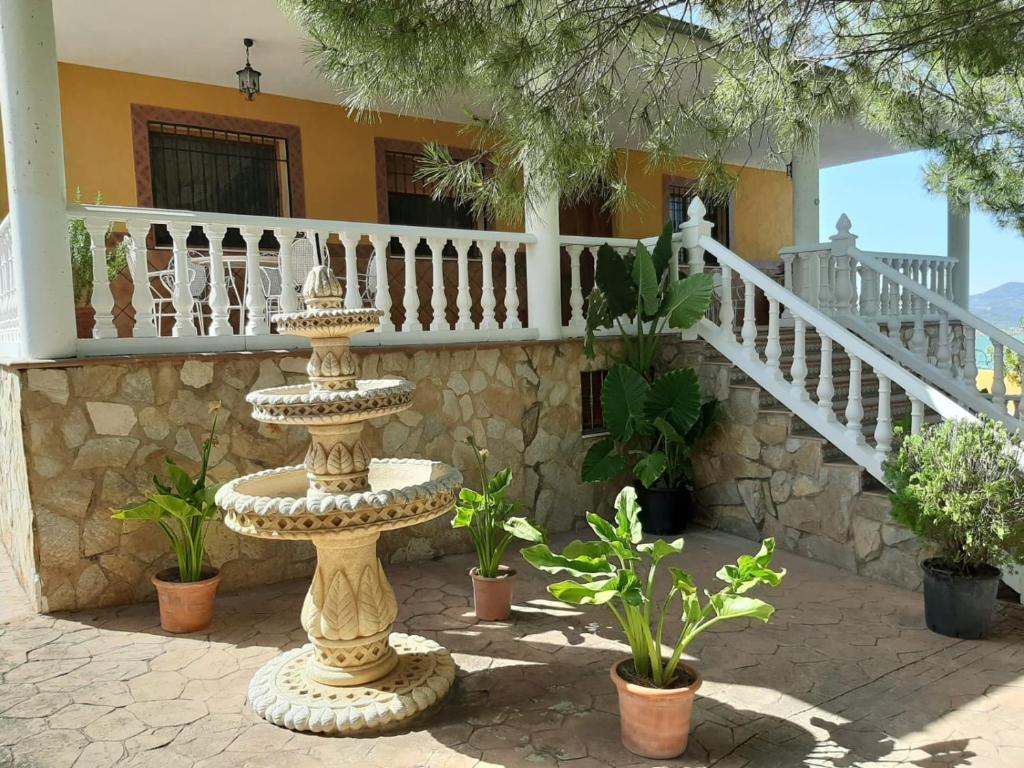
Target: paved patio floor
x=845, y=675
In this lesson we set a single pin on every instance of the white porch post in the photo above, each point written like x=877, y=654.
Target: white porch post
x=806, y=228
x=958, y=246
x=34, y=151
x=543, y=264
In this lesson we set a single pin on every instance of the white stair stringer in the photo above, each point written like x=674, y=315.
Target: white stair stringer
x=759, y=359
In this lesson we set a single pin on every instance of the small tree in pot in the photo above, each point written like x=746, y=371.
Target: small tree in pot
x=653, y=421
x=618, y=570
x=488, y=517
x=184, y=508
x=959, y=485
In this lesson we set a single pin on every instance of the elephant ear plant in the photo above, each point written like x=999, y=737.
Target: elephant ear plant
x=619, y=570
x=183, y=508
x=489, y=518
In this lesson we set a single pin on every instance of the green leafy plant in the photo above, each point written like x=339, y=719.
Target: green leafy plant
x=959, y=485
x=81, y=255
x=652, y=425
x=183, y=508
x=488, y=516
x=640, y=289
x=618, y=570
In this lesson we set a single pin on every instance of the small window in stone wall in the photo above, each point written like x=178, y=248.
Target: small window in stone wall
x=591, y=416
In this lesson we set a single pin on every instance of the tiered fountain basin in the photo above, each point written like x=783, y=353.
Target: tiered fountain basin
x=355, y=675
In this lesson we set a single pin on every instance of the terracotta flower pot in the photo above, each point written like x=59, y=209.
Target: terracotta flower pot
x=655, y=722
x=492, y=598
x=186, y=606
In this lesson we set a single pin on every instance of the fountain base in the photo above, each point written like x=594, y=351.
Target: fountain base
x=283, y=693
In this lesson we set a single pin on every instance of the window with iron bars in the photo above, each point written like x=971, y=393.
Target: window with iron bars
x=679, y=198
x=410, y=201
x=591, y=412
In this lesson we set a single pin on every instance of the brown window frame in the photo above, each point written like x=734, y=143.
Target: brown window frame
x=591, y=410
x=667, y=184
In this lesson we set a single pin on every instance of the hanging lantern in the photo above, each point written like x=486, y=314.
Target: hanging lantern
x=248, y=78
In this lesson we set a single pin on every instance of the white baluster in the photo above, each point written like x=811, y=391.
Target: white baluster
x=411, y=297
x=575, y=289
x=824, y=282
x=940, y=278
x=798, y=370
x=102, y=299
x=220, y=322
x=726, y=313
x=787, y=280
x=749, y=330
x=142, y=292
x=843, y=291
x=512, y=320
x=943, y=352
x=949, y=280
x=382, y=298
x=255, y=297
x=970, y=360
x=288, y=301
x=350, y=242
x=873, y=283
x=883, y=426
x=673, y=262
x=916, y=415
x=998, y=376
x=895, y=315
x=825, y=391
x=438, y=300
x=182, y=296
x=906, y=295
x=854, y=406
x=773, y=349
x=933, y=276
x=919, y=340
x=463, y=300
x=488, y=301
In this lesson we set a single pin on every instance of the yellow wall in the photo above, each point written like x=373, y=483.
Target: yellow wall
x=338, y=154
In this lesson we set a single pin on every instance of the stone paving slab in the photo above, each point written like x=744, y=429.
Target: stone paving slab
x=845, y=675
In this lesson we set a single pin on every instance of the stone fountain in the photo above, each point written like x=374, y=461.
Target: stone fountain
x=355, y=675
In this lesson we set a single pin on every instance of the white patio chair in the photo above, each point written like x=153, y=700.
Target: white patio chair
x=162, y=283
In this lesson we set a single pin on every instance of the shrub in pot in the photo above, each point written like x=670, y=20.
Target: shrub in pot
x=183, y=508
x=959, y=486
x=617, y=570
x=654, y=421
x=488, y=517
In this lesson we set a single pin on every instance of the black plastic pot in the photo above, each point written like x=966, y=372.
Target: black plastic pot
x=664, y=510
x=956, y=605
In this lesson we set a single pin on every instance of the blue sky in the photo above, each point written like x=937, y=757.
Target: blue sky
x=891, y=211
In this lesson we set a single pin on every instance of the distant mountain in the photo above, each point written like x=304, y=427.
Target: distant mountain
x=1002, y=306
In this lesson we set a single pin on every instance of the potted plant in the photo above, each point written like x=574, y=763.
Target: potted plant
x=653, y=421
x=81, y=267
x=959, y=485
x=618, y=570
x=183, y=508
x=488, y=518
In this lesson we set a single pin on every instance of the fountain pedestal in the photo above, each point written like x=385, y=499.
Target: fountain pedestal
x=355, y=675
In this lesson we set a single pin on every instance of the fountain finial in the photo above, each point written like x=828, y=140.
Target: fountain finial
x=322, y=289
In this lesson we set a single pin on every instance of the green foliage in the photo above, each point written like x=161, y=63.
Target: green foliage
x=81, y=256
x=640, y=289
x=618, y=570
x=489, y=517
x=183, y=508
x=655, y=426
x=960, y=485
x=537, y=81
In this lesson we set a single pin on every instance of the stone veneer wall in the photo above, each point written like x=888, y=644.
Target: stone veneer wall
x=15, y=504
x=97, y=431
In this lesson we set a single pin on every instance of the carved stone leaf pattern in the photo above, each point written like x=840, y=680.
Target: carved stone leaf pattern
x=311, y=607
x=339, y=460
x=373, y=607
x=329, y=365
x=316, y=458
x=313, y=366
x=360, y=456
x=347, y=364
x=338, y=617
x=390, y=612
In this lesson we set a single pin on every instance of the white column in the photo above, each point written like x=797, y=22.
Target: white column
x=36, y=188
x=382, y=299
x=181, y=298
x=255, y=298
x=806, y=194
x=958, y=246
x=488, y=301
x=576, y=321
x=509, y=248
x=543, y=264
x=142, y=294
x=463, y=298
x=102, y=300
x=438, y=299
x=220, y=310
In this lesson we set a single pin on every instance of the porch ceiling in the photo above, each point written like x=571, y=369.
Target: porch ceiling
x=201, y=41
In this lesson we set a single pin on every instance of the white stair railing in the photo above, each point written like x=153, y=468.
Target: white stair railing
x=945, y=359
x=864, y=437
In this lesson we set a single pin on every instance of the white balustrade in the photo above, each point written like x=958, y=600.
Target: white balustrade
x=826, y=389
x=773, y=349
x=726, y=312
x=216, y=296
x=798, y=369
x=998, y=376
x=575, y=289
x=883, y=419
x=854, y=406
x=749, y=331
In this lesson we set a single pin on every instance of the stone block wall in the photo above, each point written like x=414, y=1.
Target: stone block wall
x=95, y=432
x=15, y=504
